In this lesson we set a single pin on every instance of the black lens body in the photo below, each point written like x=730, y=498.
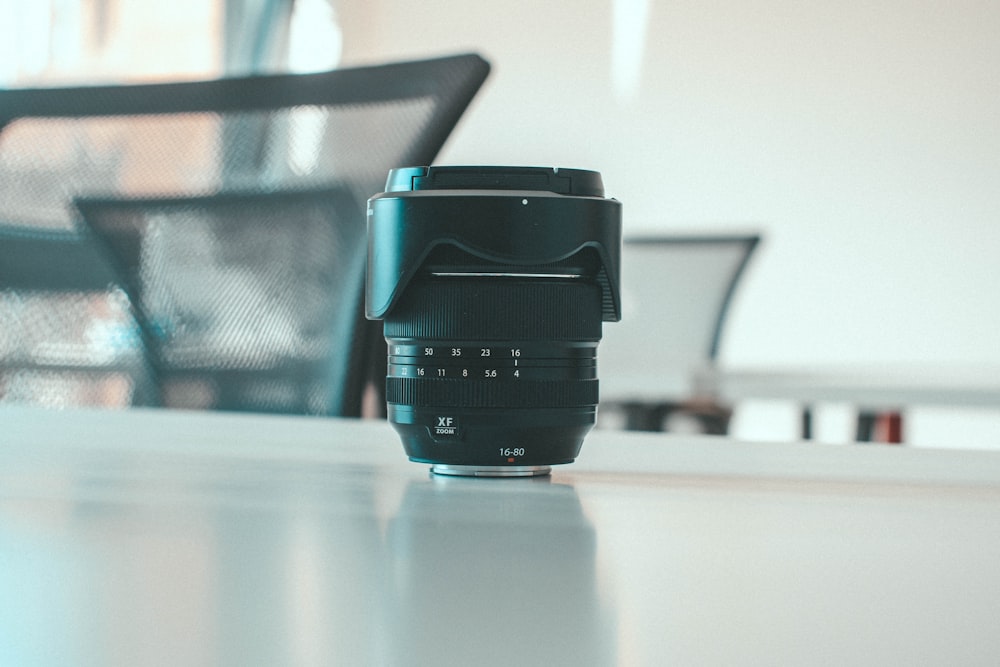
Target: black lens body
x=493, y=284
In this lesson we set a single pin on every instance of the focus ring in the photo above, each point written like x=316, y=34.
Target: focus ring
x=491, y=393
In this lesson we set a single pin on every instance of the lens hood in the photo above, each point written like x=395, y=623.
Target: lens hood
x=515, y=219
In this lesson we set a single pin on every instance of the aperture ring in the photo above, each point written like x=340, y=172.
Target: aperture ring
x=491, y=393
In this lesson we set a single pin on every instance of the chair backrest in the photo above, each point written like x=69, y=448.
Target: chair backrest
x=247, y=301
x=264, y=149
x=676, y=291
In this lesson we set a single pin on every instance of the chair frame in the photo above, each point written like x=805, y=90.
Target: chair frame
x=361, y=85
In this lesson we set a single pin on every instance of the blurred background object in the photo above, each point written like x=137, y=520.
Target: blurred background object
x=859, y=139
x=231, y=212
x=676, y=293
x=59, y=42
x=67, y=335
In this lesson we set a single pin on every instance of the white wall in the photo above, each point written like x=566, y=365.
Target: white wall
x=861, y=136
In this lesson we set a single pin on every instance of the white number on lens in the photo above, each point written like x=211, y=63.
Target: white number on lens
x=428, y=351
x=456, y=351
x=516, y=352
x=512, y=451
x=420, y=371
x=491, y=372
x=517, y=374
x=484, y=352
x=440, y=372
x=465, y=372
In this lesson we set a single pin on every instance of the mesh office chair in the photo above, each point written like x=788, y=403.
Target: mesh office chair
x=234, y=210
x=676, y=292
x=246, y=301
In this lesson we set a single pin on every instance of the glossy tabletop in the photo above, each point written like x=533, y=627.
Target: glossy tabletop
x=171, y=538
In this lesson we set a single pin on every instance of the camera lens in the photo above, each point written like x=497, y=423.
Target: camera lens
x=493, y=284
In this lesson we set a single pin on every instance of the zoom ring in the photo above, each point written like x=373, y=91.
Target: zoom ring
x=506, y=309
x=491, y=394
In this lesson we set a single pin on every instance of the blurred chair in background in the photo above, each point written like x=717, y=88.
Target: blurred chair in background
x=676, y=292
x=246, y=302
x=220, y=202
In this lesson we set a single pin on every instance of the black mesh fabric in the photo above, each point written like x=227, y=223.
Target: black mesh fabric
x=249, y=302
x=200, y=153
x=233, y=212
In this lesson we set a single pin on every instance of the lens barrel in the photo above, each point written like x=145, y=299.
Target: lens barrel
x=493, y=284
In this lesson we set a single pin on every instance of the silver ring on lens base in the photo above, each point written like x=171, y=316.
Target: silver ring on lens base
x=490, y=471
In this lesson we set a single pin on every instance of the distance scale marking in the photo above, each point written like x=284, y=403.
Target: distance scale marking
x=470, y=372
x=464, y=361
x=466, y=350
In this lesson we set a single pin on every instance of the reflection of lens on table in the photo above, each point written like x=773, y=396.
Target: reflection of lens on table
x=495, y=564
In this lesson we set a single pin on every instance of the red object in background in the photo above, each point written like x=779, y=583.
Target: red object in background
x=889, y=428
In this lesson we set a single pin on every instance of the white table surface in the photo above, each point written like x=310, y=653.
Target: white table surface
x=873, y=387
x=170, y=538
